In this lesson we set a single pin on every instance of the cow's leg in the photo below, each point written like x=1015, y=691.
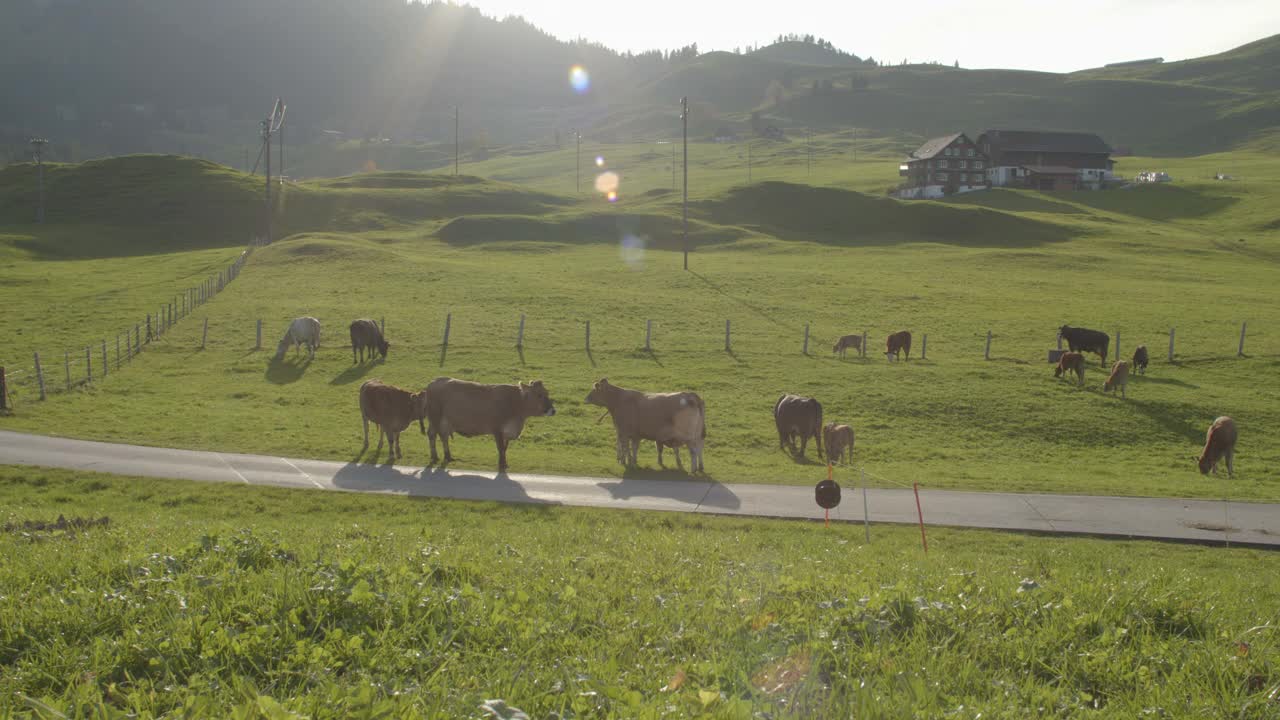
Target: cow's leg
x=431, y=437
x=817, y=440
x=393, y=440
x=444, y=440
x=502, y=450
x=633, y=451
x=380, y=434
x=804, y=441
x=679, y=465
x=1231, y=470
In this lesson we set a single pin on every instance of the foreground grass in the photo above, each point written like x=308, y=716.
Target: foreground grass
x=200, y=599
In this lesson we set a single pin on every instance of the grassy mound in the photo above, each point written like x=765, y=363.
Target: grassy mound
x=845, y=217
x=654, y=231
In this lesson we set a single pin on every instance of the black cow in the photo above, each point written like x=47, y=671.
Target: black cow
x=1140, y=359
x=365, y=334
x=1082, y=340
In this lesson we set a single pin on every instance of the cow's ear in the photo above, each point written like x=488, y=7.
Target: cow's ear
x=536, y=383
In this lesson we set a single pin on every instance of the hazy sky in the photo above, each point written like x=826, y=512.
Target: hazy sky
x=1054, y=35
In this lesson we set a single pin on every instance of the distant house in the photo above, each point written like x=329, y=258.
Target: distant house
x=942, y=166
x=1042, y=160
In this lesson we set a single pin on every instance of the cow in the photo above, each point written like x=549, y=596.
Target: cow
x=302, y=331
x=392, y=410
x=1219, y=443
x=797, y=416
x=1140, y=359
x=1070, y=362
x=670, y=419
x=471, y=409
x=899, y=341
x=1119, y=378
x=366, y=334
x=846, y=342
x=1082, y=340
x=839, y=440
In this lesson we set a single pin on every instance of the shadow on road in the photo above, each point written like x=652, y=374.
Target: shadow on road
x=433, y=482
x=690, y=490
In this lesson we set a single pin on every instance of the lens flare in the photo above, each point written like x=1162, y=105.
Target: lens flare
x=612, y=195
x=579, y=79
x=607, y=182
x=599, y=161
x=631, y=249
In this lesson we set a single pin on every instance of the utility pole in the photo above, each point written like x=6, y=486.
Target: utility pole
x=280, y=172
x=673, y=166
x=577, y=177
x=684, y=219
x=455, y=140
x=266, y=200
x=38, y=144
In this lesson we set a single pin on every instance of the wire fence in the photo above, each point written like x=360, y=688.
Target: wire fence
x=80, y=367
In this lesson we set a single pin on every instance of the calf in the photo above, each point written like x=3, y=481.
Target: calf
x=1219, y=443
x=846, y=342
x=472, y=409
x=670, y=419
x=899, y=341
x=302, y=331
x=1140, y=359
x=365, y=334
x=1119, y=378
x=1070, y=362
x=391, y=410
x=797, y=416
x=839, y=440
x=1082, y=340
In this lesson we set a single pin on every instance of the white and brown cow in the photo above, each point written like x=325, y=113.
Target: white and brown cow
x=848, y=341
x=471, y=409
x=302, y=331
x=392, y=410
x=839, y=440
x=1219, y=443
x=669, y=419
x=1119, y=378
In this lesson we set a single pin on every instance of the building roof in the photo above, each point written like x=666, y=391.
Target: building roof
x=1044, y=141
x=932, y=147
x=1051, y=169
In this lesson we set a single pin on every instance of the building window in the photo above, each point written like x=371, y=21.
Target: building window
x=970, y=152
x=964, y=164
x=942, y=163
x=964, y=177
x=941, y=177
x=977, y=164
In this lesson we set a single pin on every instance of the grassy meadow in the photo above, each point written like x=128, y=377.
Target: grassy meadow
x=199, y=600
x=771, y=257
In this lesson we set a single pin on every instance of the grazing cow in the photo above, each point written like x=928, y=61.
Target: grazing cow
x=302, y=331
x=846, y=342
x=472, y=409
x=801, y=417
x=1140, y=359
x=839, y=440
x=1119, y=378
x=366, y=334
x=1070, y=362
x=1219, y=443
x=1082, y=340
x=899, y=341
x=670, y=419
x=392, y=410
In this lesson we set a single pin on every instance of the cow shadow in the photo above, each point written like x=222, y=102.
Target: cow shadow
x=284, y=372
x=691, y=490
x=355, y=372
x=1169, y=417
x=433, y=482
x=1163, y=381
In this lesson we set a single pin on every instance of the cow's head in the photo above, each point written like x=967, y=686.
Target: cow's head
x=835, y=348
x=1203, y=462
x=1064, y=330
x=383, y=347
x=282, y=347
x=599, y=392
x=537, y=400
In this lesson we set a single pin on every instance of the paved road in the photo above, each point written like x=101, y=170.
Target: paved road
x=1162, y=518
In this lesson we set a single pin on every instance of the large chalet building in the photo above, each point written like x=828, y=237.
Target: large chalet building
x=942, y=166
x=1006, y=158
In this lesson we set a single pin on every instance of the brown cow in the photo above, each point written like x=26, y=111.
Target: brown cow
x=1119, y=378
x=1219, y=442
x=1141, y=359
x=797, y=416
x=899, y=341
x=1070, y=362
x=846, y=342
x=472, y=409
x=365, y=334
x=391, y=409
x=839, y=440
x=670, y=419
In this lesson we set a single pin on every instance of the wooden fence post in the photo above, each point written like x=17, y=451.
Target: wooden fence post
x=520, y=333
x=382, y=325
x=728, y=338
x=148, y=328
x=137, y=338
x=588, y=336
x=1171, y=344
x=88, y=362
x=257, y=345
x=1117, y=345
x=117, y=351
x=987, y=353
x=805, y=350
x=1240, y=352
x=40, y=377
x=204, y=335
x=924, y=347
x=648, y=334
x=104, y=358
x=864, y=343
x=1059, y=341
x=66, y=361
x=448, y=321
x=4, y=390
